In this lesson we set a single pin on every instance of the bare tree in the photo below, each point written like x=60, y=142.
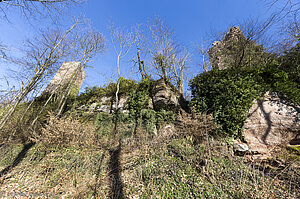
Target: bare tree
x=285, y=6
x=122, y=41
x=168, y=59
x=87, y=45
x=37, y=7
x=139, y=44
x=43, y=57
x=2, y=51
x=202, y=49
x=287, y=22
x=45, y=54
x=180, y=62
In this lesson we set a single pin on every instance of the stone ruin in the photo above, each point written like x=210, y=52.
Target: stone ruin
x=272, y=122
x=70, y=76
x=222, y=53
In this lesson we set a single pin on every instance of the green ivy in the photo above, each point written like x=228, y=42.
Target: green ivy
x=140, y=111
x=95, y=93
x=229, y=94
x=139, y=99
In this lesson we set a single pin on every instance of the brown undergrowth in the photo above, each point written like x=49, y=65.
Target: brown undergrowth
x=85, y=159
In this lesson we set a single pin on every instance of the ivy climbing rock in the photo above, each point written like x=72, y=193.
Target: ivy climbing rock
x=164, y=96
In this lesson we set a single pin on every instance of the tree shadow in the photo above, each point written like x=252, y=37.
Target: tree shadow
x=116, y=186
x=97, y=183
x=267, y=118
x=18, y=159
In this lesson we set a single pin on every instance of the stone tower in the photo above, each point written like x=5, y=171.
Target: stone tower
x=221, y=54
x=70, y=76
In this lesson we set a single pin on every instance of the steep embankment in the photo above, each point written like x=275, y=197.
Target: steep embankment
x=177, y=163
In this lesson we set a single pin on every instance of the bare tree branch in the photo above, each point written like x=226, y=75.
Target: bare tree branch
x=46, y=8
x=168, y=59
x=122, y=41
x=43, y=56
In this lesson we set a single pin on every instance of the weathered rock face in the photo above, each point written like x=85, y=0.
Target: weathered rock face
x=219, y=55
x=70, y=73
x=272, y=122
x=105, y=105
x=163, y=97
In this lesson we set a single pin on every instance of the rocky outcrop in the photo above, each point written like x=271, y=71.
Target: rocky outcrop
x=240, y=149
x=163, y=96
x=105, y=105
x=271, y=122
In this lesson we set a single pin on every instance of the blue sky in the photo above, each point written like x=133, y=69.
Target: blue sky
x=191, y=20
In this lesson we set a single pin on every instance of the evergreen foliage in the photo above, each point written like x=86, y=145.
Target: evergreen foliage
x=139, y=107
x=95, y=93
x=290, y=63
x=229, y=94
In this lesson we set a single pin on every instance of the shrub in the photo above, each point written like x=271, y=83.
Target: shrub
x=67, y=131
x=139, y=99
x=229, y=94
x=95, y=93
x=140, y=111
x=290, y=63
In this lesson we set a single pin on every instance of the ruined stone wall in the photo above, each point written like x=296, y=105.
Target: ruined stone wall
x=221, y=54
x=69, y=72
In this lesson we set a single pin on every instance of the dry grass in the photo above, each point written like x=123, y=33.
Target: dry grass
x=77, y=160
x=177, y=168
x=197, y=126
x=67, y=131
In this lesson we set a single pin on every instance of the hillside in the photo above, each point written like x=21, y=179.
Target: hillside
x=140, y=152
x=177, y=163
x=237, y=137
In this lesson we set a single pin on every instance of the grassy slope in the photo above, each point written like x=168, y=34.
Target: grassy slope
x=170, y=165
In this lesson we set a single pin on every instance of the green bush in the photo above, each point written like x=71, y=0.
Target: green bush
x=126, y=86
x=95, y=93
x=148, y=119
x=290, y=63
x=229, y=94
x=139, y=99
x=139, y=110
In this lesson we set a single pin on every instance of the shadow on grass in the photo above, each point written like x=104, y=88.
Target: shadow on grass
x=116, y=186
x=97, y=183
x=18, y=159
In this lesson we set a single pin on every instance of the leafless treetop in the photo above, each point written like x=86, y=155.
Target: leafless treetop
x=46, y=8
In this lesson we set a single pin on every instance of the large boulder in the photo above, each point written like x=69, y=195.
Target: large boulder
x=272, y=122
x=164, y=96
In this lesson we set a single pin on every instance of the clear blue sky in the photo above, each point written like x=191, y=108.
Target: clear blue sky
x=191, y=20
